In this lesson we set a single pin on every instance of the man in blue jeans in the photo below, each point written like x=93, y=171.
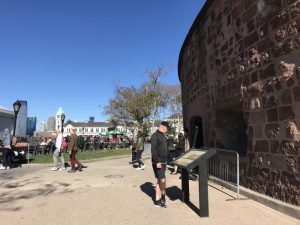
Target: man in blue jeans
x=159, y=151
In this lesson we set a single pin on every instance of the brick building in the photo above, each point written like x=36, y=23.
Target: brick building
x=239, y=69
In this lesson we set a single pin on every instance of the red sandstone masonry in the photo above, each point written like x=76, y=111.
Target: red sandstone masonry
x=245, y=58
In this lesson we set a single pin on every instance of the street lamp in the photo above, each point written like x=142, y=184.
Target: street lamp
x=17, y=106
x=62, y=122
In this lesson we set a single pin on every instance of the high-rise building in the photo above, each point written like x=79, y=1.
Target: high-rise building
x=43, y=127
x=51, y=124
x=21, y=125
x=31, y=125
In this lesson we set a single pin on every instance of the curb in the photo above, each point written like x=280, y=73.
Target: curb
x=290, y=210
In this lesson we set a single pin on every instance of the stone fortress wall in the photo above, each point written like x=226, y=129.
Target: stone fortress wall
x=239, y=68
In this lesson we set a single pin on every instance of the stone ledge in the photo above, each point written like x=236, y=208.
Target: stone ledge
x=290, y=210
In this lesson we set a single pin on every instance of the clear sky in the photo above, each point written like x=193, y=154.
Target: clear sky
x=68, y=52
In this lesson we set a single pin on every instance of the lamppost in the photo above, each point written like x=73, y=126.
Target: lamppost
x=17, y=106
x=62, y=117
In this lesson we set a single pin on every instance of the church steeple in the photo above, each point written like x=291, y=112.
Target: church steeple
x=58, y=124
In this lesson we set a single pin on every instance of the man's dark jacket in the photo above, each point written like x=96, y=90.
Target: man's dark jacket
x=159, y=147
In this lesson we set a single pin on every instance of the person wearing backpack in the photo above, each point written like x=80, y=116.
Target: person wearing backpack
x=73, y=149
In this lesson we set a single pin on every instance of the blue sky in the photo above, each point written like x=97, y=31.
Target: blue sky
x=68, y=52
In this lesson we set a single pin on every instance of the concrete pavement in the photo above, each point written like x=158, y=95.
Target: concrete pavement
x=112, y=192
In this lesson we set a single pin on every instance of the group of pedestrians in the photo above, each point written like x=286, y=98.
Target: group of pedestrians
x=72, y=147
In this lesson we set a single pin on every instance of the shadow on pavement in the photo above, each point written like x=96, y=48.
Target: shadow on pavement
x=10, y=193
x=148, y=189
x=174, y=193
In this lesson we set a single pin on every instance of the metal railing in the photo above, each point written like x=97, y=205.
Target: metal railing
x=225, y=166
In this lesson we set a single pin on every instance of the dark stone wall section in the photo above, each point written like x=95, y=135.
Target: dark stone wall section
x=242, y=57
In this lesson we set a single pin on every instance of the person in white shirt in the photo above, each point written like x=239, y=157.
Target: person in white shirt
x=58, y=152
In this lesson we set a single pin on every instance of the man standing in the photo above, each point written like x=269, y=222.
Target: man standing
x=72, y=148
x=159, y=151
x=139, y=150
x=58, y=152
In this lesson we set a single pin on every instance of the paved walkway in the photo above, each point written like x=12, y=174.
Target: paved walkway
x=34, y=195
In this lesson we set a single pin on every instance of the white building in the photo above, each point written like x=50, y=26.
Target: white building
x=21, y=126
x=176, y=122
x=90, y=128
x=6, y=119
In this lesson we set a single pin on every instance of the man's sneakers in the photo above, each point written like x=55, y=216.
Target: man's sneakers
x=62, y=168
x=160, y=203
x=54, y=169
x=2, y=168
x=163, y=198
x=141, y=168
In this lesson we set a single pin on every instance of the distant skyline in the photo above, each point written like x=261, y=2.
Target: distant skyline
x=68, y=52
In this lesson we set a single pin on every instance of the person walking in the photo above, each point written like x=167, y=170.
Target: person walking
x=159, y=151
x=58, y=152
x=139, y=150
x=73, y=149
x=7, y=152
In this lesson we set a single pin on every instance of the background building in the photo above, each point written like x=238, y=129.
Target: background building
x=31, y=125
x=6, y=119
x=21, y=126
x=51, y=124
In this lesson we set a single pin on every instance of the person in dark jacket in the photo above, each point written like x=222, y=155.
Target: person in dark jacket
x=139, y=150
x=159, y=151
x=72, y=149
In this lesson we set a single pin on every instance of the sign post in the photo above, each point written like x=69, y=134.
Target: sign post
x=188, y=161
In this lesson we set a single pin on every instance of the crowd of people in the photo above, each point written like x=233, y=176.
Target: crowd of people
x=72, y=144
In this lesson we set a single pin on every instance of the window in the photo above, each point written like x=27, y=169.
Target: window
x=97, y=129
x=92, y=130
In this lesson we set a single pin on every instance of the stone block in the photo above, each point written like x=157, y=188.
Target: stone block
x=280, y=19
x=250, y=25
x=251, y=39
x=269, y=101
x=278, y=162
x=258, y=131
x=272, y=115
x=288, y=148
x=286, y=97
x=258, y=117
x=236, y=12
x=265, y=45
x=261, y=146
x=291, y=164
x=296, y=93
x=272, y=130
x=275, y=148
x=267, y=72
x=249, y=13
x=285, y=113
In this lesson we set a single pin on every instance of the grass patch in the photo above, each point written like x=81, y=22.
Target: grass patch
x=84, y=155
